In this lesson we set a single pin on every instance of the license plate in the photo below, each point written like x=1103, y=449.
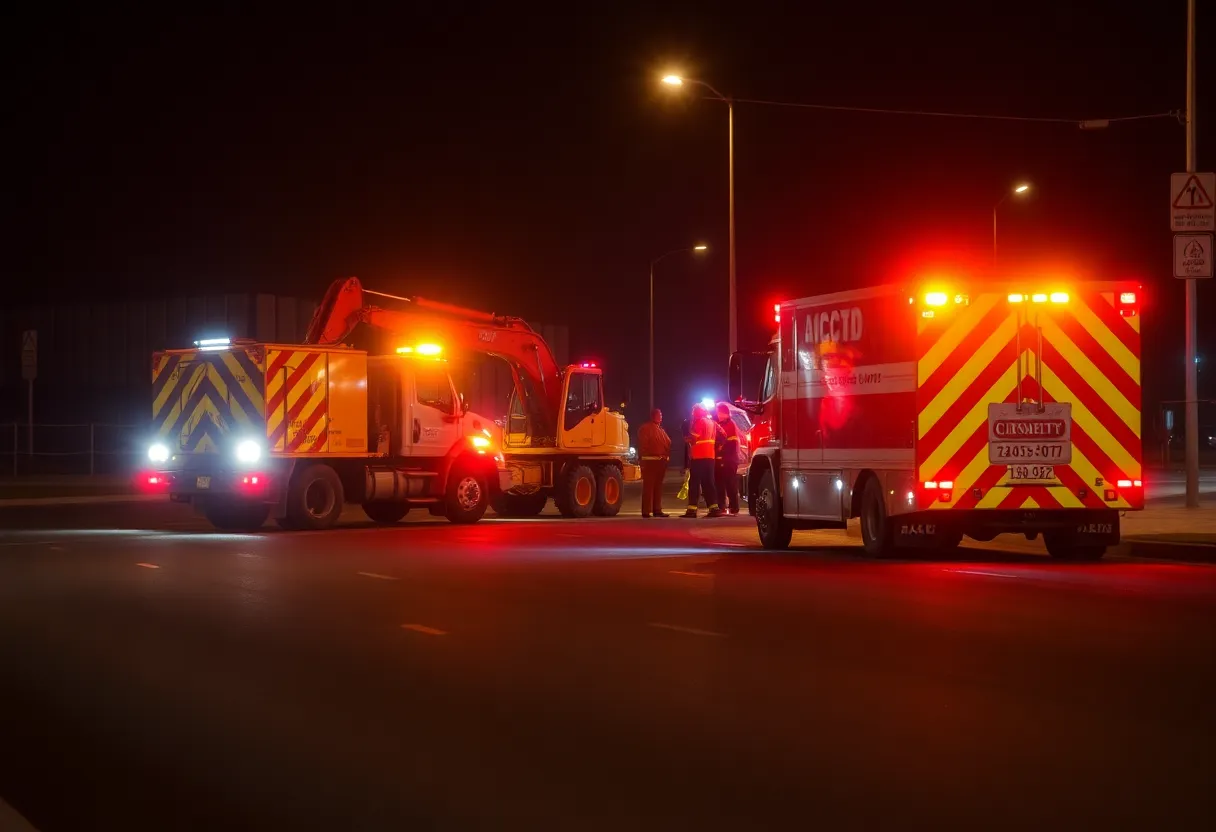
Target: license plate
x=1027, y=437
x=203, y=482
x=1032, y=473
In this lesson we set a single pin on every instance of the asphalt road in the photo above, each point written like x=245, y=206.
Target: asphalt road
x=598, y=674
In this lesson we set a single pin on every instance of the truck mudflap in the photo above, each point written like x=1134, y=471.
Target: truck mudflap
x=933, y=529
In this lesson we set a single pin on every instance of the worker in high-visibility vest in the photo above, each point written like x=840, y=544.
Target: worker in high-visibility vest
x=654, y=446
x=702, y=438
x=727, y=469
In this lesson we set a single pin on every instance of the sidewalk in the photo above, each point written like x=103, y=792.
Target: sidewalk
x=35, y=490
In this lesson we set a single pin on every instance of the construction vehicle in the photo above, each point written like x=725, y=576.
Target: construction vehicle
x=560, y=440
x=936, y=411
x=246, y=431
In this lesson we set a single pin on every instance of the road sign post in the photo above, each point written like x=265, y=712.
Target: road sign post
x=29, y=372
x=1191, y=206
x=1192, y=256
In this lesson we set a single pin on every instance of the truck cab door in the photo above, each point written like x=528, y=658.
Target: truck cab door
x=584, y=420
x=432, y=418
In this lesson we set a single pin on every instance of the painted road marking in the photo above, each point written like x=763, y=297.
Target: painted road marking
x=692, y=574
x=422, y=628
x=29, y=543
x=148, y=565
x=985, y=574
x=690, y=630
x=377, y=577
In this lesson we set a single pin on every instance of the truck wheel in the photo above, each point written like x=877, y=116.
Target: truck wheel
x=467, y=497
x=875, y=528
x=610, y=492
x=384, y=513
x=236, y=517
x=314, y=499
x=1061, y=547
x=575, y=496
x=520, y=505
x=775, y=531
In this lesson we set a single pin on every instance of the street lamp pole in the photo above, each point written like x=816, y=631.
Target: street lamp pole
x=734, y=310
x=694, y=249
x=1192, y=371
x=733, y=314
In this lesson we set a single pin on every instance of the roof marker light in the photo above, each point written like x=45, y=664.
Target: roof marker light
x=429, y=349
x=1059, y=297
x=1039, y=297
x=935, y=298
x=1017, y=297
x=212, y=344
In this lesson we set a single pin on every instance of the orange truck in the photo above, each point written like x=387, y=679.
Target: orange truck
x=934, y=412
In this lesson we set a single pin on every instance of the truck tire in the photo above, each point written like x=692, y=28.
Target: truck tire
x=774, y=530
x=876, y=536
x=1061, y=547
x=314, y=499
x=236, y=517
x=609, y=493
x=575, y=495
x=385, y=513
x=520, y=505
x=468, y=495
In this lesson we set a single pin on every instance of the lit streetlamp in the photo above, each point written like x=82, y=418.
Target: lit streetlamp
x=700, y=248
x=679, y=81
x=1018, y=190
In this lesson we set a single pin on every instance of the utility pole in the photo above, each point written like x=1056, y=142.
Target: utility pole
x=1192, y=370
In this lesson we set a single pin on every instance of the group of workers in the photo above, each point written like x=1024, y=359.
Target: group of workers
x=711, y=462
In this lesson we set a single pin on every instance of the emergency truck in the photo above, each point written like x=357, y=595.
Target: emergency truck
x=934, y=412
x=247, y=431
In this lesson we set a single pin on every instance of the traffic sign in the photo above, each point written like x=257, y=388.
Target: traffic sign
x=1192, y=255
x=29, y=354
x=1191, y=206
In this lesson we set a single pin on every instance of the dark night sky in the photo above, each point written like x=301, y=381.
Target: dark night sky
x=529, y=163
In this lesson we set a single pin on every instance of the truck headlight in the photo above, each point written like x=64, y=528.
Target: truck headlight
x=158, y=452
x=248, y=451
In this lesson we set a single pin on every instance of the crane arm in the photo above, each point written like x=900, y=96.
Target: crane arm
x=534, y=369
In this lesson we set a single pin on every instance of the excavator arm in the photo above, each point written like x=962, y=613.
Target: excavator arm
x=534, y=369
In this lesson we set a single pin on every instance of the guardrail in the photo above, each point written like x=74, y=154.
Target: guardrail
x=91, y=448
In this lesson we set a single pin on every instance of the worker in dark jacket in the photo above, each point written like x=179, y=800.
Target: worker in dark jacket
x=726, y=471
x=654, y=446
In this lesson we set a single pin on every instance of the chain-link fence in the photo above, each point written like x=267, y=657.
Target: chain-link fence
x=93, y=448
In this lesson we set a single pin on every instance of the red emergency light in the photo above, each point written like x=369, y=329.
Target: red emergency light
x=1128, y=303
x=588, y=365
x=777, y=312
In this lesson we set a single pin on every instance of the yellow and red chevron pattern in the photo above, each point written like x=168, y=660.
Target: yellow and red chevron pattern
x=297, y=400
x=198, y=396
x=1090, y=353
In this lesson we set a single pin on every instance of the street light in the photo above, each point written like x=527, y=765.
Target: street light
x=680, y=81
x=1018, y=190
x=699, y=248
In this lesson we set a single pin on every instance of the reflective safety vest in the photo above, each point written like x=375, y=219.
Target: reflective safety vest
x=705, y=434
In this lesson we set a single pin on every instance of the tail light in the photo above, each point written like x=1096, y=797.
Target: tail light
x=777, y=312
x=1128, y=303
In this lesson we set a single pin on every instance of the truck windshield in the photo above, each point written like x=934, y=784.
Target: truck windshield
x=434, y=388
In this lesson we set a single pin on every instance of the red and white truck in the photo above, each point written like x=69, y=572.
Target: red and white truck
x=936, y=411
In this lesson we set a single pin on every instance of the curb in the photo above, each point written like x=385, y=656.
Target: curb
x=1161, y=550
x=80, y=501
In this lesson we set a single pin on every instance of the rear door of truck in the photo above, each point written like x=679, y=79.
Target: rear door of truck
x=1028, y=397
